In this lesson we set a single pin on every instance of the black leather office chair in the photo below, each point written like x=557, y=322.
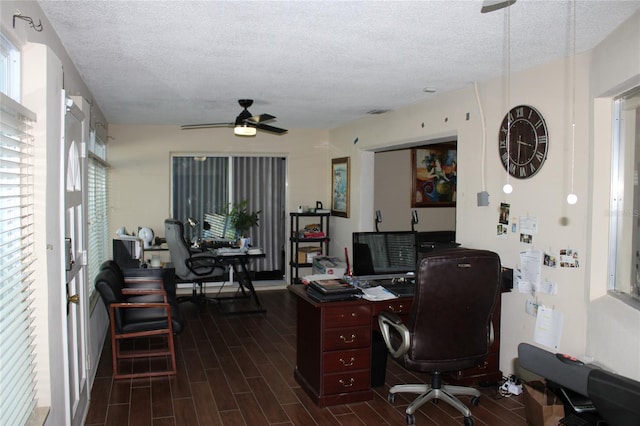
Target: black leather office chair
x=138, y=313
x=197, y=267
x=449, y=325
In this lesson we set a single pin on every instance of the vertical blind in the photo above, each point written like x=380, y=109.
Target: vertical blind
x=98, y=223
x=199, y=186
x=17, y=377
x=260, y=181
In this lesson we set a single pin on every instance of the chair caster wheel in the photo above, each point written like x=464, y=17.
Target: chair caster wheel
x=468, y=421
x=391, y=398
x=411, y=419
x=475, y=401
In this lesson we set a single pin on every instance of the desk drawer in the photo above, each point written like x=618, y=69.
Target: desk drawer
x=398, y=307
x=357, y=359
x=342, y=316
x=347, y=338
x=346, y=382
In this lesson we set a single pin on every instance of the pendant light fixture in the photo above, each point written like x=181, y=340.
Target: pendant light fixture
x=507, y=188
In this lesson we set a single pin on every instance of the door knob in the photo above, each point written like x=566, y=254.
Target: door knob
x=73, y=299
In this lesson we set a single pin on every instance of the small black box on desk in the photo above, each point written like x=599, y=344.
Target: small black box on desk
x=331, y=290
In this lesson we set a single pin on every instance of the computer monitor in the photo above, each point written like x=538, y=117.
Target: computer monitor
x=217, y=227
x=128, y=251
x=384, y=255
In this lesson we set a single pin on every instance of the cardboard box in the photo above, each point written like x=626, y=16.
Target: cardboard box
x=542, y=406
x=306, y=254
x=329, y=265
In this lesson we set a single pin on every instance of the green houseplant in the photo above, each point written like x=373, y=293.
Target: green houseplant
x=242, y=219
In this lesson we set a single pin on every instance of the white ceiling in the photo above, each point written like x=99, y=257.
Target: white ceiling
x=312, y=64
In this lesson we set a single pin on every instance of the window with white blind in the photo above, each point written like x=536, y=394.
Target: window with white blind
x=17, y=376
x=98, y=225
x=9, y=69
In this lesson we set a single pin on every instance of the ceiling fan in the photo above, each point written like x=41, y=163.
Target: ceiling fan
x=245, y=124
x=491, y=5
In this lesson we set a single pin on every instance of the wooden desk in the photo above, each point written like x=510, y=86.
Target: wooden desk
x=333, y=352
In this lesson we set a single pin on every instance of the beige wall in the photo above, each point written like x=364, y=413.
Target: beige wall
x=392, y=192
x=140, y=167
x=613, y=337
x=612, y=326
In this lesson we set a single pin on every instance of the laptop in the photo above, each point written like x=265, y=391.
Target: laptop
x=401, y=289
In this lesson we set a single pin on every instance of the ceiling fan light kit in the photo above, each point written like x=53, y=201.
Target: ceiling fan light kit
x=244, y=130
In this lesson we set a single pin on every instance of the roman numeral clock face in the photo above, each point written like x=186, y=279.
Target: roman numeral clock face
x=523, y=141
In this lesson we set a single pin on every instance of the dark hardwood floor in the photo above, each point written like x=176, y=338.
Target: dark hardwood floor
x=238, y=370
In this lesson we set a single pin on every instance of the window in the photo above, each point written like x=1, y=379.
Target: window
x=206, y=185
x=98, y=223
x=17, y=376
x=9, y=69
x=625, y=202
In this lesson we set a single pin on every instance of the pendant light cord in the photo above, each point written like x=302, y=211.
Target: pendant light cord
x=573, y=119
x=508, y=91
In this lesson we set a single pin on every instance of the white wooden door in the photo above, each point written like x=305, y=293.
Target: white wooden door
x=75, y=224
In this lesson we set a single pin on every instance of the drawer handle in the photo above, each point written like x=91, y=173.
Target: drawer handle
x=353, y=315
x=351, y=339
x=347, y=363
x=347, y=385
x=393, y=309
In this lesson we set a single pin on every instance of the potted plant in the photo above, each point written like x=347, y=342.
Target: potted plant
x=242, y=219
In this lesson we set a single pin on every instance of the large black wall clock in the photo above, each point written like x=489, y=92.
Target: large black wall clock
x=523, y=141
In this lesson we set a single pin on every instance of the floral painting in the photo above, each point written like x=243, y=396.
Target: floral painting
x=434, y=174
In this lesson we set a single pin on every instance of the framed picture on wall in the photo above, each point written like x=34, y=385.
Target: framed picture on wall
x=340, y=187
x=434, y=175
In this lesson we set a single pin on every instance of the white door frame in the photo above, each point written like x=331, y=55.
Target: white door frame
x=74, y=195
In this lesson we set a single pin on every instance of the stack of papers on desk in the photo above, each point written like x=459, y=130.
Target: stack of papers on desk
x=377, y=293
x=317, y=277
x=228, y=251
x=255, y=250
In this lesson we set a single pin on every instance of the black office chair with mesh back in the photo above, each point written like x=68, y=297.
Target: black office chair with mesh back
x=197, y=267
x=449, y=325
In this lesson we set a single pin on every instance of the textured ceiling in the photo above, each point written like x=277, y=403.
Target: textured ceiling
x=312, y=64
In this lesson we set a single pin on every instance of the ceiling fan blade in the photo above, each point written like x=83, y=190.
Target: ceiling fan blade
x=262, y=118
x=205, y=126
x=491, y=5
x=268, y=128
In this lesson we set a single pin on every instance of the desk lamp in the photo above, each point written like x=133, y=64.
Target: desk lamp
x=378, y=219
x=193, y=223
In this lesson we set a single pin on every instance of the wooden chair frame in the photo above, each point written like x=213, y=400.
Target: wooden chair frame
x=117, y=338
